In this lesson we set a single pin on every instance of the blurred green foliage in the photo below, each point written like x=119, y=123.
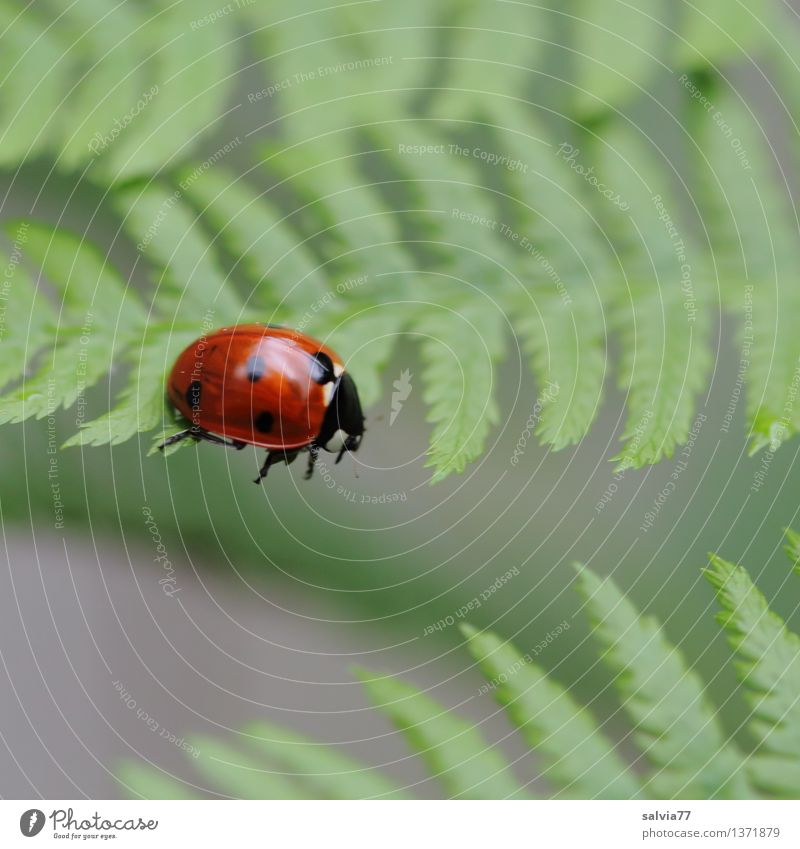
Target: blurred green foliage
x=171, y=163
x=683, y=752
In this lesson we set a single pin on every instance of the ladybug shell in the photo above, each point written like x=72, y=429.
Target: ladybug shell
x=262, y=385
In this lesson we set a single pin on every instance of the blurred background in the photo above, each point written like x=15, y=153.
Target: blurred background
x=264, y=599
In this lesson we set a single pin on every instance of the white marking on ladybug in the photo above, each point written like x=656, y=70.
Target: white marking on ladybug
x=337, y=441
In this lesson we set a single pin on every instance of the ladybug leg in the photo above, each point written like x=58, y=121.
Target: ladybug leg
x=274, y=457
x=313, y=453
x=176, y=437
x=205, y=436
x=270, y=460
x=200, y=434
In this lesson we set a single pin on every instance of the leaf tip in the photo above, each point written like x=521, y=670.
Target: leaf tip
x=469, y=631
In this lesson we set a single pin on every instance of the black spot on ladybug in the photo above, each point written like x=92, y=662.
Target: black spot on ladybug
x=193, y=394
x=255, y=369
x=264, y=422
x=322, y=371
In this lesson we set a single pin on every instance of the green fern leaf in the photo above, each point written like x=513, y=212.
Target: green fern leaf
x=327, y=773
x=150, y=783
x=664, y=318
x=674, y=724
x=566, y=345
x=466, y=342
x=754, y=236
x=449, y=194
x=495, y=46
x=792, y=548
x=452, y=748
x=666, y=363
x=676, y=727
x=770, y=668
x=716, y=31
x=336, y=67
x=286, y=280
x=33, y=64
x=579, y=760
x=27, y=320
x=189, y=69
x=779, y=776
x=189, y=281
x=616, y=48
x=93, y=298
x=111, y=86
x=342, y=206
x=140, y=406
x=558, y=312
x=240, y=776
x=105, y=34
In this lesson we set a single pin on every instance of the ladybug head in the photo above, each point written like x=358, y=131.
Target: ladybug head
x=343, y=425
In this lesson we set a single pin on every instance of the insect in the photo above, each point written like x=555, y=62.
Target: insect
x=269, y=386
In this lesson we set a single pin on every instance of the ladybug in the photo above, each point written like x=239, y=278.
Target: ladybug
x=269, y=386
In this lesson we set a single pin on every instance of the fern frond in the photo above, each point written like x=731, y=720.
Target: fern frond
x=286, y=280
x=495, y=52
x=666, y=362
x=616, y=51
x=674, y=724
x=328, y=774
x=376, y=137
x=452, y=748
x=677, y=728
x=563, y=265
x=406, y=34
x=93, y=299
x=340, y=66
x=233, y=773
x=139, y=407
x=566, y=346
x=112, y=87
x=460, y=347
x=664, y=318
x=792, y=548
x=188, y=278
x=452, y=198
x=106, y=35
x=778, y=776
x=189, y=72
x=33, y=62
x=770, y=669
x=579, y=759
x=716, y=31
x=754, y=233
x=27, y=320
x=342, y=204
x=150, y=783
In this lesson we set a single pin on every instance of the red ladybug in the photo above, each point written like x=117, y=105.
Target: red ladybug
x=257, y=384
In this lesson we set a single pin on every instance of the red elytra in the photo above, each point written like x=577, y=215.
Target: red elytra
x=256, y=384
